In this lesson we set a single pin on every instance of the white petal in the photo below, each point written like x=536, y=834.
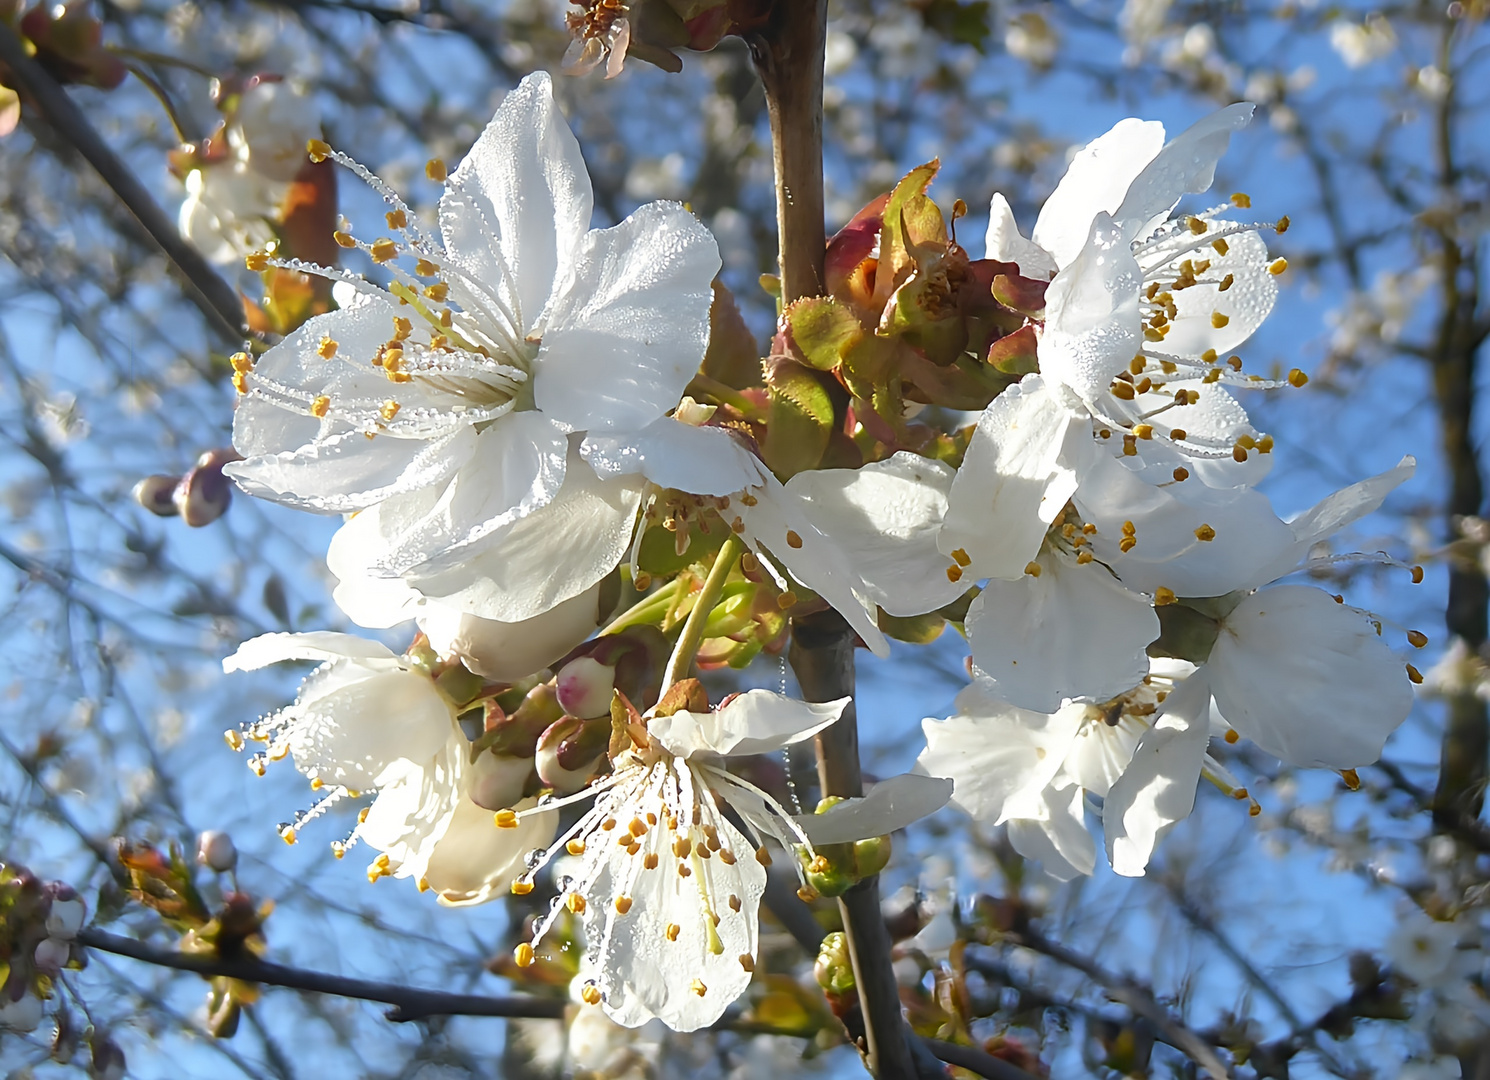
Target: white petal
x=998, y=757
x=672, y=454
x=515, y=210
x=627, y=332
x=415, y=805
x=1348, y=505
x=365, y=598
x=517, y=468
x=889, y=806
x=475, y=860
x=1159, y=787
x=779, y=524
x=1249, y=537
x=1308, y=680
x=1101, y=752
x=1059, y=840
x=1096, y=181
x=1245, y=303
x=1014, y=481
x=1005, y=243
x=886, y=517
x=755, y=722
x=353, y=735
x=509, y=651
x=1071, y=633
x=540, y=561
x=1092, y=322
x=1186, y=165
x=320, y=645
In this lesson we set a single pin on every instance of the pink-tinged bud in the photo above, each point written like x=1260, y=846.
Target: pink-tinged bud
x=570, y=751
x=584, y=686
x=497, y=781
x=51, y=955
x=203, y=494
x=21, y=1016
x=65, y=918
x=157, y=494
x=216, y=851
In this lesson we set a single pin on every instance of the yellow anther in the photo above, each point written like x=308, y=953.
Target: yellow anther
x=1143, y=431
x=257, y=261
x=792, y=539
x=960, y=557
x=1144, y=386
x=575, y=847
x=650, y=862
x=1418, y=638
x=326, y=349
x=400, y=377
x=437, y=292
x=763, y=856
x=623, y=905
x=807, y=894
x=521, y=887
x=1241, y=200
x=1239, y=454
x=233, y=739
x=608, y=824
x=523, y=954
x=786, y=600
x=434, y=168
x=698, y=988
x=338, y=849
x=318, y=150
x=1137, y=364
x=1352, y=779
x=747, y=961
x=383, y=250
x=1282, y=225
x=362, y=815
x=1417, y=575
x=1221, y=246
x=1297, y=378
x=672, y=931
x=1032, y=569
x=682, y=846
x=397, y=219
x=954, y=574
x=1152, y=334
x=684, y=870
x=1235, y=362
x=1209, y=356
x=241, y=362
x=1164, y=596
x=287, y=834
x=1277, y=266
x=425, y=268
x=1246, y=442
x=1205, y=534
x=1127, y=544
x=256, y=763
x=1413, y=676
x=320, y=406
x=1195, y=225
x=392, y=360
x=638, y=827
x=1083, y=557
x=1152, y=291
x=727, y=856
x=446, y=318
x=402, y=328
x=438, y=341
x=1218, y=320
x=734, y=902
x=316, y=783
x=422, y=884
x=1228, y=281
x=575, y=903
x=389, y=409
x=1123, y=390
x=505, y=819
x=1130, y=446
x=590, y=995
x=346, y=240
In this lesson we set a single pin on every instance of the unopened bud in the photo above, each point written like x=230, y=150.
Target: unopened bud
x=584, y=686
x=569, y=751
x=216, y=851
x=65, y=917
x=51, y=955
x=497, y=780
x=203, y=494
x=834, y=969
x=156, y=494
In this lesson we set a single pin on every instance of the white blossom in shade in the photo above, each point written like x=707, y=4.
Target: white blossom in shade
x=1427, y=951
x=449, y=408
x=21, y=1015
x=1031, y=770
x=507, y=652
x=667, y=886
x=370, y=722
x=1362, y=43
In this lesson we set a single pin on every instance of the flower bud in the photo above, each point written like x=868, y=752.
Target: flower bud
x=202, y=495
x=51, y=955
x=21, y=1016
x=216, y=851
x=497, y=780
x=156, y=494
x=65, y=917
x=584, y=686
x=569, y=752
x=834, y=969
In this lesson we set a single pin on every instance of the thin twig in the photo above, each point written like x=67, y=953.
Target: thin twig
x=216, y=299
x=409, y=1003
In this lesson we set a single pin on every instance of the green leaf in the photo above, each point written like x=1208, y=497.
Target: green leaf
x=823, y=330
x=908, y=220
x=1015, y=354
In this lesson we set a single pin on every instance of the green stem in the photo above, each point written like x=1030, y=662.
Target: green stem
x=643, y=610
x=693, y=629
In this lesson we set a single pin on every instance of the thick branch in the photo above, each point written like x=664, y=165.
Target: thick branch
x=409, y=1003
x=204, y=286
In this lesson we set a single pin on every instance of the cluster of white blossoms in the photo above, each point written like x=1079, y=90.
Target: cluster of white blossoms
x=507, y=421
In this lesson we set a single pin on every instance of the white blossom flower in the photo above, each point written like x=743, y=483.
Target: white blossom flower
x=1362, y=43
x=368, y=721
x=1032, y=770
x=667, y=886
x=1427, y=951
x=449, y=408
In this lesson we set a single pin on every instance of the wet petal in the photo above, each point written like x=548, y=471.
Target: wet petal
x=1005, y=243
x=1058, y=840
x=1187, y=165
x=887, y=807
x=1092, y=318
x=322, y=645
x=755, y=722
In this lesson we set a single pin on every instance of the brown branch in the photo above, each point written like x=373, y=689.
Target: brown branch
x=216, y=299
x=409, y=1003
